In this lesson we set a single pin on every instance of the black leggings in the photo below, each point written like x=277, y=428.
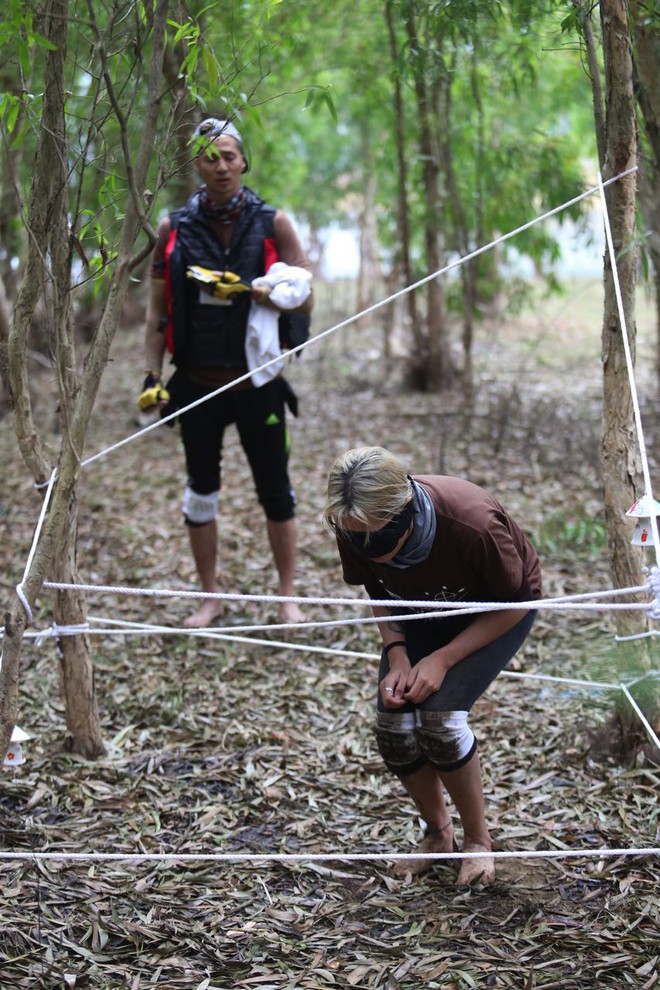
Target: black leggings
x=468, y=679
x=259, y=415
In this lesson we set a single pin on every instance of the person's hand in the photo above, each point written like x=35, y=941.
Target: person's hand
x=260, y=293
x=153, y=393
x=221, y=285
x=228, y=285
x=424, y=679
x=392, y=687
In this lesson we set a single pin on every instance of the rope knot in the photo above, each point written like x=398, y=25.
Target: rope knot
x=653, y=586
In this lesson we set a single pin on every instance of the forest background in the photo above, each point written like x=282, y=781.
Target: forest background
x=430, y=129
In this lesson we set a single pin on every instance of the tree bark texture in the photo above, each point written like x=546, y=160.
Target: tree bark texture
x=620, y=450
x=83, y=726
x=437, y=369
x=403, y=213
x=646, y=37
x=594, y=77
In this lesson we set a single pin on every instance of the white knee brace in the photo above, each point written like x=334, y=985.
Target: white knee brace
x=200, y=509
x=445, y=738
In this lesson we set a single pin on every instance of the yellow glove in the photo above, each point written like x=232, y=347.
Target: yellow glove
x=152, y=394
x=221, y=285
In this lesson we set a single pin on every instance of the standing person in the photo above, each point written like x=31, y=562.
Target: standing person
x=441, y=539
x=235, y=237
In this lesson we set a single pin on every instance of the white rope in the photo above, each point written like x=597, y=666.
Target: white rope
x=125, y=627
x=654, y=587
x=432, y=610
x=33, y=549
x=258, y=858
x=358, y=316
x=649, y=675
x=55, y=631
x=473, y=608
x=450, y=611
x=642, y=635
x=150, y=629
x=581, y=601
x=336, y=623
x=645, y=722
x=447, y=608
x=24, y=602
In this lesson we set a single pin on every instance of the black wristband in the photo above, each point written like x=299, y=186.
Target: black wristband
x=390, y=646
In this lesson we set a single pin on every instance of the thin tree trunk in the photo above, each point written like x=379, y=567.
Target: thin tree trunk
x=4, y=337
x=598, y=101
x=82, y=717
x=619, y=445
x=55, y=551
x=83, y=733
x=646, y=33
x=437, y=371
x=369, y=274
x=402, y=188
x=462, y=244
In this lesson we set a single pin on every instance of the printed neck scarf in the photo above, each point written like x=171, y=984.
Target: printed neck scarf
x=224, y=213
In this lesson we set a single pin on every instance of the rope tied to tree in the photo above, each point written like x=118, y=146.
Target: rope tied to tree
x=654, y=589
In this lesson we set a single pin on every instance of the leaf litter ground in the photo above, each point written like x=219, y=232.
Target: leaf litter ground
x=226, y=747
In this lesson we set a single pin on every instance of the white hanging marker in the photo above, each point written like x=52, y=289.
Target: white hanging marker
x=642, y=535
x=641, y=509
x=15, y=756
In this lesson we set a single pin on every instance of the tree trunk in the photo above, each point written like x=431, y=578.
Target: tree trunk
x=620, y=447
x=402, y=189
x=646, y=35
x=4, y=337
x=456, y=208
x=83, y=734
x=598, y=101
x=620, y=443
x=55, y=551
x=437, y=370
x=183, y=119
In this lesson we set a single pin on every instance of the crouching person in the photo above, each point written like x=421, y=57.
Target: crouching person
x=443, y=540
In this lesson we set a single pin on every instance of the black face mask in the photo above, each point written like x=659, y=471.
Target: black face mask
x=381, y=542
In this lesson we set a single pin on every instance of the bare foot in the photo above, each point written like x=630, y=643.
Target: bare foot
x=209, y=610
x=480, y=869
x=289, y=612
x=436, y=840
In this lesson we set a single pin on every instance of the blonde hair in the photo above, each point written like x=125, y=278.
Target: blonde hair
x=366, y=484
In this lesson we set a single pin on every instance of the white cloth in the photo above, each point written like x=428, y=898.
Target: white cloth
x=290, y=287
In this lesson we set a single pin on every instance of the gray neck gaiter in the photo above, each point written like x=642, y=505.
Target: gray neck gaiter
x=418, y=545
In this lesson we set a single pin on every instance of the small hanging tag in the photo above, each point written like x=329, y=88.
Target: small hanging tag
x=15, y=756
x=642, y=535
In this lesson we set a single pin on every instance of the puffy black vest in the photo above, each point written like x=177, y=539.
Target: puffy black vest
x=202, y=334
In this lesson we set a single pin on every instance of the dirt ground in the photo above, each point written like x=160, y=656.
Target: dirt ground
x=259, y=745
